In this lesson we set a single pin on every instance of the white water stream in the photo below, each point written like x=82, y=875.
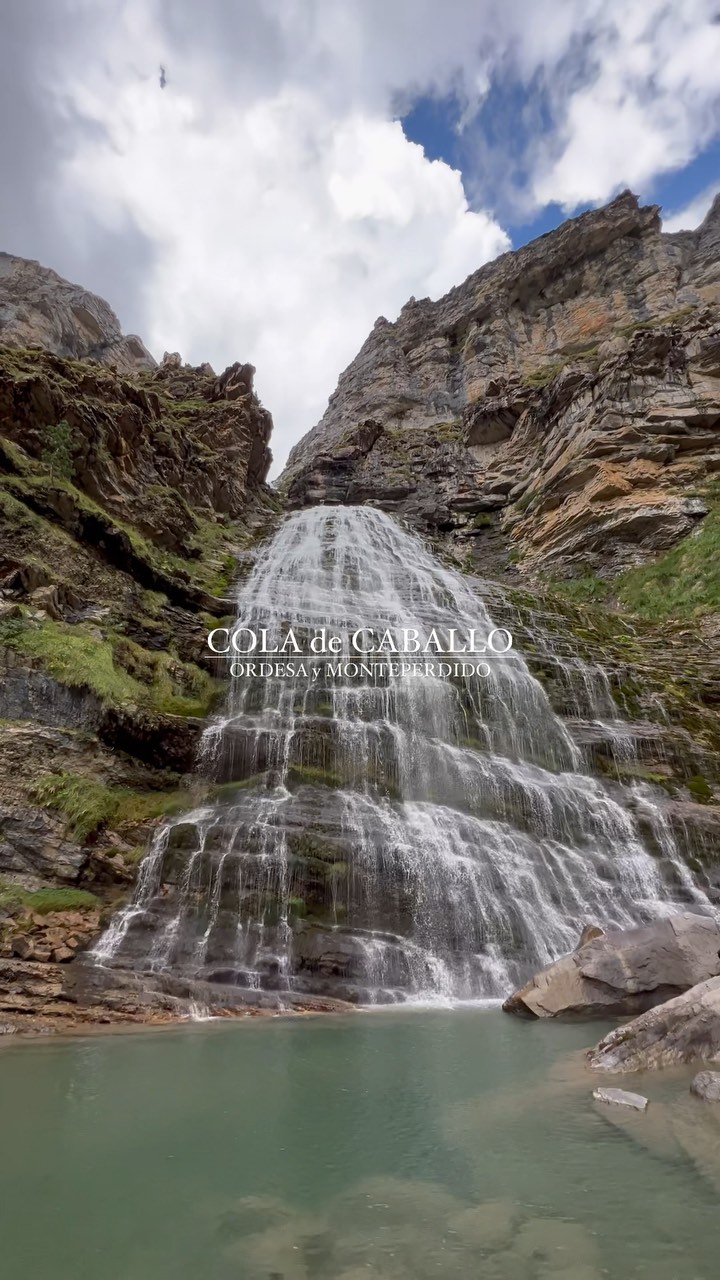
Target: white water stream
x=389, y=836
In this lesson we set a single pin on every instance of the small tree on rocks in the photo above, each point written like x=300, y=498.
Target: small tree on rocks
x=57, y=454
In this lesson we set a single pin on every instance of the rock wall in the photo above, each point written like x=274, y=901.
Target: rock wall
x=40, y=309
x=555, y=409
x=132, y=495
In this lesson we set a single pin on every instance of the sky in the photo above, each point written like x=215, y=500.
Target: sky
x=312, y=164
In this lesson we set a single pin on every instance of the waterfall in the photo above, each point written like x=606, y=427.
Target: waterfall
x=388, y=835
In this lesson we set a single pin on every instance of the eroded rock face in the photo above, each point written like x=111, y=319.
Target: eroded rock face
x=558, y=404
x=624, y=971
x=39, y=308
x=129, y=494
x=156, y=450
x=685, y=1029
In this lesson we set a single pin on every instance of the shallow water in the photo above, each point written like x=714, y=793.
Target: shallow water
x=397, y=1144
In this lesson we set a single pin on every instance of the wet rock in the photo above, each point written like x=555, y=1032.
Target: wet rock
x=621, y=1098
x=706, y=1085
x=685, y=1029
x=624, y=971
x=555, y=1243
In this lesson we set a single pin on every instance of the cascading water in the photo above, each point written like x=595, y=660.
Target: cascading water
x=387, y=836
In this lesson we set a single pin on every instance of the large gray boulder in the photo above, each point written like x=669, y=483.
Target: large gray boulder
x=624, y=971
x=686, y=1029
x=706, y=1085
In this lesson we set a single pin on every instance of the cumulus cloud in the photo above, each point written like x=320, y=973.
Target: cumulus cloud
x=285, y=217
x=648, y=102
x=267, y=206
x=280, y=233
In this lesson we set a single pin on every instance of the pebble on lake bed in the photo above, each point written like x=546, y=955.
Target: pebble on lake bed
x=621, y=1098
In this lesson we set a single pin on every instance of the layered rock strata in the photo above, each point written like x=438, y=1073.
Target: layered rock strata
x=683, y=1030
x=556, y=411
x=132, y=495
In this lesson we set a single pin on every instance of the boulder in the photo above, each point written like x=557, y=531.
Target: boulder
x=624, y=971
x=621, y=1098
x=706, y=1085
x=685, y=1029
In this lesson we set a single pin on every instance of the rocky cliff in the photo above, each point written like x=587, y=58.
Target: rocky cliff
x=131, y=495
x=559, y=410
x=40, y=309
x=553, y=425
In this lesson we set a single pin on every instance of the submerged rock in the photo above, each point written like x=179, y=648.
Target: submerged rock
x=706, y=1085
x=685, y=1029
x=624, y=971
x=621, y=1098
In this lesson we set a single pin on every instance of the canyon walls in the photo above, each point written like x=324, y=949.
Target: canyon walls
x=554, y=411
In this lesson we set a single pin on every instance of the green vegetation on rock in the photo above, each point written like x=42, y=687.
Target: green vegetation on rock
x=57, y=455
x=43, y=901
x=117, y=671
x=683, y=583
x=89, y=806
x=543, y=376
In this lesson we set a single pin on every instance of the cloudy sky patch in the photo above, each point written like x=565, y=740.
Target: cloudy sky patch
x=312, y=164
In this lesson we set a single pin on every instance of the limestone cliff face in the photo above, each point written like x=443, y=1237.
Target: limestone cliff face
x=40, y=309
x=131, y=495
x=565, y=397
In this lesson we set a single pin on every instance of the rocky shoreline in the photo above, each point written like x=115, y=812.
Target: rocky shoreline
x=666, y=973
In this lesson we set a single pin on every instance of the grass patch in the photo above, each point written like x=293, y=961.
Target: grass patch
x=685, y=582
x=88, y=805
x=42, y=901
x=543, y=376
x=582, y=589
x=118, y=671
x=700, y=789
x=73, y=656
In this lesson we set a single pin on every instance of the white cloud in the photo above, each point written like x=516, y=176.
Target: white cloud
x=282, y=229
x=284, y=207
x=649, y=102
x=692, y=215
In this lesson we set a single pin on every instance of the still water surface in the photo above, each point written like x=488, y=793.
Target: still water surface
x=400, y=1145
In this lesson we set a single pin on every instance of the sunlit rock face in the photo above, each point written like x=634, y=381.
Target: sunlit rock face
x=559, y=404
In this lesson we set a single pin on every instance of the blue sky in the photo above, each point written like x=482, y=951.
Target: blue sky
x=436, y=123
